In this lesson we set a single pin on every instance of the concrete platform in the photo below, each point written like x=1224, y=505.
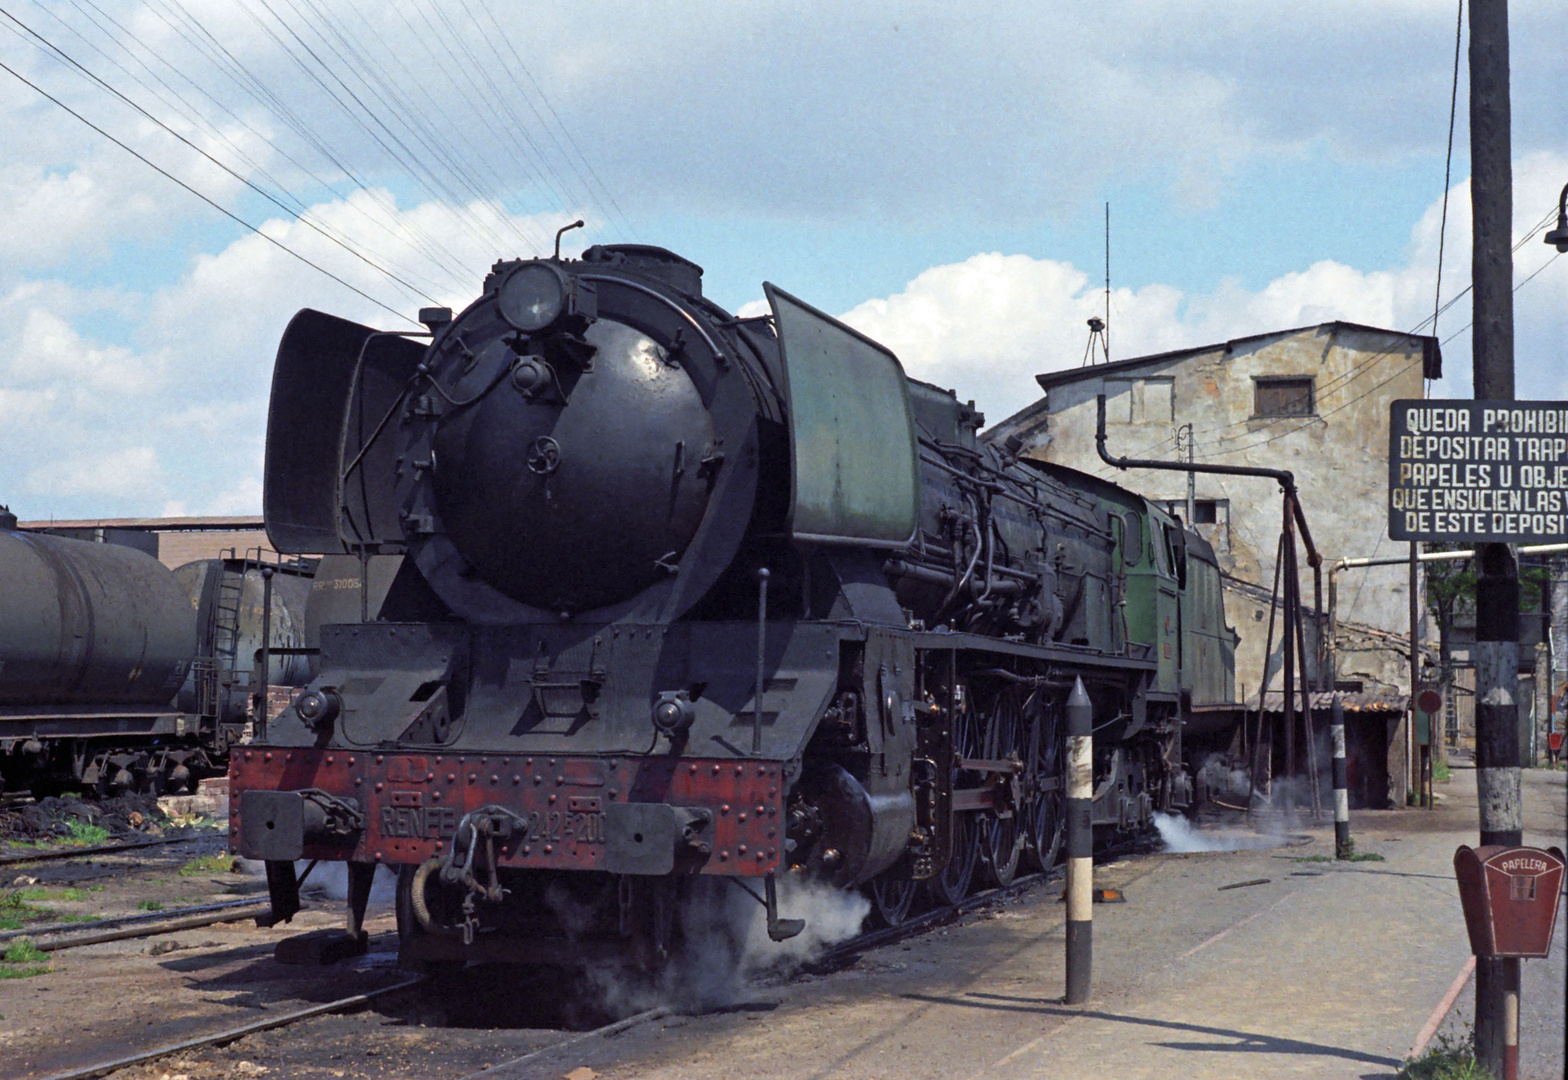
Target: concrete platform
x=1325, y=970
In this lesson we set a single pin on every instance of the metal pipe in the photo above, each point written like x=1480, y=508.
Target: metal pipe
x=1080, y=844
x=1286, y=480
x=1288, y=634
x=266, y=651
x=1306, y=698
x=762, y=650
x=1344, y=847
x=1263, y=686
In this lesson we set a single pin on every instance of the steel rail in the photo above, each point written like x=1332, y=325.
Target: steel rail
x=490, y=1072
x=52, y=854
x=229, y=1035
x=74, y=935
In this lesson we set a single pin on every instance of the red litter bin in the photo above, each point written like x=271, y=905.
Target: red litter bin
x=1510, y=897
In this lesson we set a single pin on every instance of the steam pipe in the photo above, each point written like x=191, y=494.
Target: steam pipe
x=1286, y=480
x=1401, y=560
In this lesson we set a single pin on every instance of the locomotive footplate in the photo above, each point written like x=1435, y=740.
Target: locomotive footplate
x=625, y=815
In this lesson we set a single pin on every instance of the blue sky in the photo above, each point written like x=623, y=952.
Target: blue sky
x=935, y=174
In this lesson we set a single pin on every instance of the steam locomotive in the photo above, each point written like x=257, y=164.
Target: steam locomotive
x=639, y=595
x=118, y=674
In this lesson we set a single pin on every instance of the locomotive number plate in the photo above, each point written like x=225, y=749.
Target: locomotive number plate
x=583, y=826
x=556, y=826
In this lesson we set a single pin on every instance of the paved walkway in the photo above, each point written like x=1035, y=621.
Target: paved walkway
x=1316, y=969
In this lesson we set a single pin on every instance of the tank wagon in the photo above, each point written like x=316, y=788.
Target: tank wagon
x=651, y=595
x=117, y=674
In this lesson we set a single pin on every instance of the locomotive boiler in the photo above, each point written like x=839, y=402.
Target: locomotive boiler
x=646, y=594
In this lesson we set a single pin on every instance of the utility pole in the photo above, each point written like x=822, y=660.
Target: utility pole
x=1497, y=589
x=1184, y=433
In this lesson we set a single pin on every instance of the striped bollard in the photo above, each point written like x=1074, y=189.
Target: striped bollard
x=1344, y=848
x=1080, y=844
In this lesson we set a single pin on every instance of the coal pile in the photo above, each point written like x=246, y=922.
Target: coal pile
x=65, y=818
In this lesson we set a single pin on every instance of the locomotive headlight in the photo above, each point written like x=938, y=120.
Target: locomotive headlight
x=317, y=708
x=533, y=297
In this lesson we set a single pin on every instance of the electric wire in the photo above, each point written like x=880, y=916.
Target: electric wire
x=503, y=136
x=587, y=174
x=378, y=86
x=364, y=118
x=409, y=112
x=410, y=232
x=292, y=212
x=210, y=202
x=1358, y=371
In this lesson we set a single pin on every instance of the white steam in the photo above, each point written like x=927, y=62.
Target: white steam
x=1181, y=837
x=725, y=945
x=329, y=880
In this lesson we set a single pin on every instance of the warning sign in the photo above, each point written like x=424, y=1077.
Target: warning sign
x=1478, y=471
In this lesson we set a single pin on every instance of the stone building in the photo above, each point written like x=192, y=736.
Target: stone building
x=1314, y=401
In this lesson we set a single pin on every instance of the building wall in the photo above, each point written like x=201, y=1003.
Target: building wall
x=1338, y=454
x=178, y=547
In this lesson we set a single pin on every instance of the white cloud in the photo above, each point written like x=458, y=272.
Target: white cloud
x=124, y=472
x=176, y=418
x=987, y=325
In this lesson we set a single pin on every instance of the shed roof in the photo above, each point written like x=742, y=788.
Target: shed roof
x=1431, y=353
x=167, y=524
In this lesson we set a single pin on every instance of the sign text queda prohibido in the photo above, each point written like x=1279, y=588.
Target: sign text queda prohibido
x=1478, y=471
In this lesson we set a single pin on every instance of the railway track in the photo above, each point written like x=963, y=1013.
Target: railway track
x=56, y=854
x=239, y=1031
x=57, y=937
x=831, y=959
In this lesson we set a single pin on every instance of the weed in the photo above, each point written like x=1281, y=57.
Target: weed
x=87, y=834
x=1449, y=1057
x=1354, y=856
x=8, y=972
x=65, y=895
x=1440, y=773
x=29, y=960
x=220, y=863
x=150, y=905
x=14, y=907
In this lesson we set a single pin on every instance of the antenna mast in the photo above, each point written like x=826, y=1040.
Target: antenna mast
x=1107, y=282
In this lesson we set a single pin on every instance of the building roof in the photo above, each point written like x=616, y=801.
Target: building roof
x=1359, y=701
x=168, y=524
x=1431, y=353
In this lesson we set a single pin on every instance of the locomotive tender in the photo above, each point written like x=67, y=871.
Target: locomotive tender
x=648, y=593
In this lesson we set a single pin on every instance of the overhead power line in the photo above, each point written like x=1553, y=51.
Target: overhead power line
x=280, y=245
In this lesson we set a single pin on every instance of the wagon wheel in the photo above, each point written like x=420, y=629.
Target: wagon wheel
x=892, y=893
x=1002, y=838
x=952, y=884
x=1046, y=816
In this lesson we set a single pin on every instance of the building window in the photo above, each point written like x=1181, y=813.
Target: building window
x=1204, y=511
x=1140, y=401
x=1282, y=396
